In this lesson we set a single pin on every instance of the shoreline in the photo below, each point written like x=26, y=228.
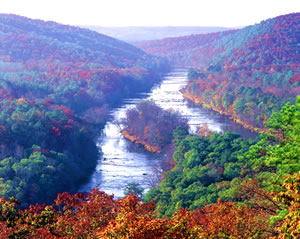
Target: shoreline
x=138, y=141
x=197, y=100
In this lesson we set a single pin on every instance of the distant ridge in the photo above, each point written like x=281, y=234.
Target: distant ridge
x=246, y=73
x=133, y=34
x=37, y=51
x=85, y=41
x=196, y=50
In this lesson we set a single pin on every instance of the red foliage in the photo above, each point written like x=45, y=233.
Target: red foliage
x=98, y=215
x=55, y=131
x=295, y=78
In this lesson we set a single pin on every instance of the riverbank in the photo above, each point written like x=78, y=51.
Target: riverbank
x=138, y=141
x=123, y=163
x=199, y=101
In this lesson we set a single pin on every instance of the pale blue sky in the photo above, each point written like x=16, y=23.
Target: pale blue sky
x=227, y=13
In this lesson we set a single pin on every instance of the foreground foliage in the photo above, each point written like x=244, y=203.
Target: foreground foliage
x=203, y=167
x=98, y=215
x=260, y=199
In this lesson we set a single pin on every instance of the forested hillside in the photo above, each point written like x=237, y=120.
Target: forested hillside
x=45, y=58
x=57, y=84
x=221, y=187
x=247, y=73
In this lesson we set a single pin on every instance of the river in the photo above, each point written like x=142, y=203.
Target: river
x=122, y=163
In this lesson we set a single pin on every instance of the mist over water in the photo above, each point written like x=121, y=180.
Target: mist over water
x=122, y=162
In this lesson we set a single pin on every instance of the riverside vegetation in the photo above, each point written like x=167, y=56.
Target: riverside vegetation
x=149, y=125
x=247, y=73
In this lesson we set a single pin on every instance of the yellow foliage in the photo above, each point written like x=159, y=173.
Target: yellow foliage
x=21, y=101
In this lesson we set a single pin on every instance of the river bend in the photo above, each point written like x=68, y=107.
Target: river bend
x=122, y=163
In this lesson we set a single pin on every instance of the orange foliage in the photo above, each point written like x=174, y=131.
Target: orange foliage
x=146, y=131
x=139, y=141
x=199, y=100
x=158, y=134
x=98, y=215
x=204, y=131
x=228, y=220
x=289, y=227
x=21, y=101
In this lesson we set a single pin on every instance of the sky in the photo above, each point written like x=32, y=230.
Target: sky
x=225, y=13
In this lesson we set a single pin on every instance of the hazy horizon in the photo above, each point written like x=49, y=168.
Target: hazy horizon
x=155, y=13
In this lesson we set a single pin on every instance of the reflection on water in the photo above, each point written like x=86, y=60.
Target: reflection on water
x=122, y=163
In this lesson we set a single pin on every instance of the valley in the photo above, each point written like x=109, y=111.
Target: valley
x=122, y=162
x=183, y=137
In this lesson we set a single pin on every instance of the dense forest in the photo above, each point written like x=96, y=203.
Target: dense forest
x=57, y=84
x=202, y=164
x=247, y=73
x=44, y=150
x=211, y=168
x=251, y=190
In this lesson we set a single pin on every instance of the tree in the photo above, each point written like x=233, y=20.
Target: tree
x=134, y=189
x=179, y=133
x=288, y=224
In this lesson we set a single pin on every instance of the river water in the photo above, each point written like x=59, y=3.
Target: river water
x=122, y=162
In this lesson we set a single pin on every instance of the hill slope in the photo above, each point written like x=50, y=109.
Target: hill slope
x=40, y=34
x=57, y=83
x=245, y=73
x=46, y=51
x=196, y=50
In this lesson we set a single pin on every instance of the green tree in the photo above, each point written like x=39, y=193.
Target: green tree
x=135, y=189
